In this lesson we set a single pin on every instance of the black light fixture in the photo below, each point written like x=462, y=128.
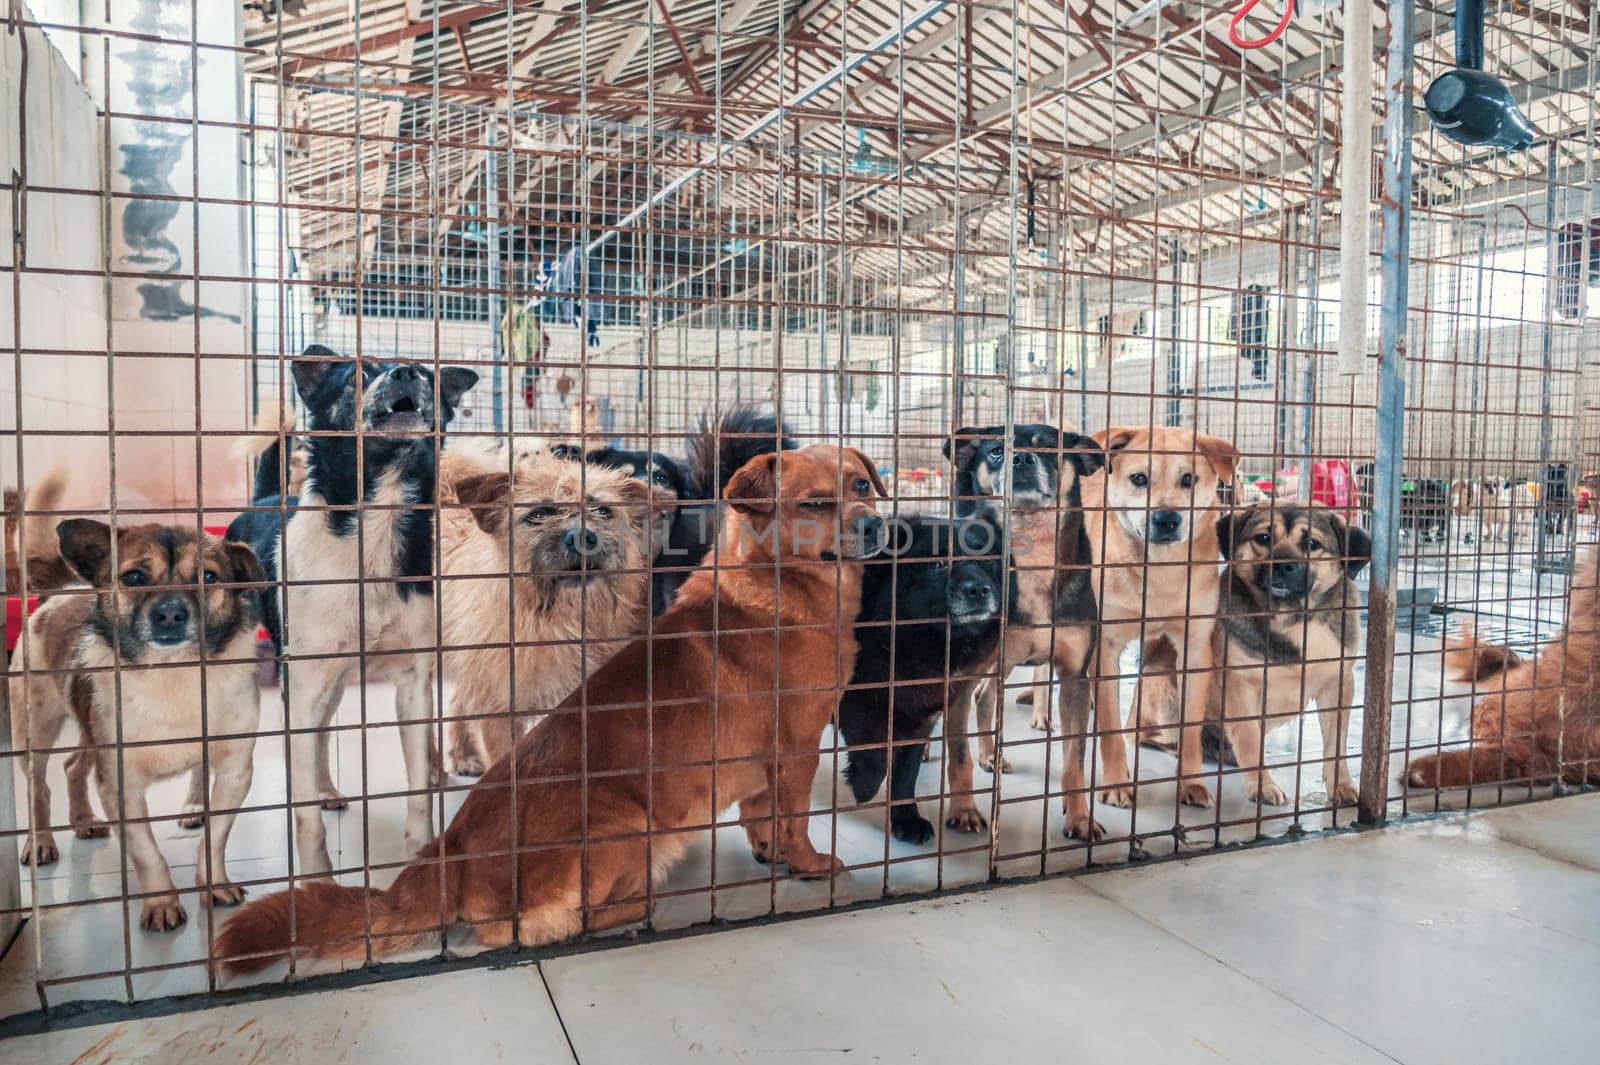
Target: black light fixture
x=1472, y=107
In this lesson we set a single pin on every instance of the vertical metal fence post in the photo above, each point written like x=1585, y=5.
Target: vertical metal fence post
x=1391, y=412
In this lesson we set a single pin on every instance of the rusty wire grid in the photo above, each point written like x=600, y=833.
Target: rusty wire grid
x=886, y=222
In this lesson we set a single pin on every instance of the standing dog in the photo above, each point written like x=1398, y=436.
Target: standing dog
x=929, y=612
x=1052, y=618
x=1287, y=634
x=168, y=601
x=724, y=704
x=1154, y=536
x=548, y=558
x=1540, y=720
x=366, y=515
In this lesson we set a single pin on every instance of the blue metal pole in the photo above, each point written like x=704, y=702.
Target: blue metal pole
x=1375, y=742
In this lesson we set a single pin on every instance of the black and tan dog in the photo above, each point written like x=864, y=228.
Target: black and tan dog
x=1287, y=635
x=1052, y=619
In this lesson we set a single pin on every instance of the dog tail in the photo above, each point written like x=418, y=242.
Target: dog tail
x=1471, y=662
x=332, y=921
x=265, y=447
x=742, y=433
x=46, y=570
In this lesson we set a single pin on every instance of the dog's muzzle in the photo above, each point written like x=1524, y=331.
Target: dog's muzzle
x=401, y=402
x=973, y=601
x=1287, y=579
x=169, y=620
x=867, y=535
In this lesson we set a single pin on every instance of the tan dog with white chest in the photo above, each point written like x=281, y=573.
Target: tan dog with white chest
x=1152, y=528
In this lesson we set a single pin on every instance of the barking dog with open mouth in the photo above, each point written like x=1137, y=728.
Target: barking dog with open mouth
x=167, y=600
x=1153, y=529
x=367, y=516
x=1287, y=634
x=1052, y=618
x=724, y=704
x=932, y=610
x=570, y=540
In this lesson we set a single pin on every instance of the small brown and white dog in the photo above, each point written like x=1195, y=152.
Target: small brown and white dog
x=125, y=661
x=1489, y=500
x=1287, y=634
x=1538, y=721
x=1152, y=527
x=549, y=557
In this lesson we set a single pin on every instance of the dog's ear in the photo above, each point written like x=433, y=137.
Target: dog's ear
x=1113, y=439
x=487, y=495
x=872, y=472
x=753, y=489
x=1223, y=456
x=965, y=440
x=1082, y=452
x=312, y=368
x=1354, y=544
x=86, y=547
x=243, y=562
x=454, y=382
x=1227, y=527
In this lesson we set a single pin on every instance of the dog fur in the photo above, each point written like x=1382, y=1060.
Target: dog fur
x=1287, y=633
x=125, y=662
x=1540, y=720
x=387, y=543
x=1153, y=530
x=930, y=611
x=46, y=570
x=773, y=642
x=569, y=606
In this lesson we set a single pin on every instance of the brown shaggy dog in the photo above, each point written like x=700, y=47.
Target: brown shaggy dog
x=574, y=538
x=1542, y=718
x=725, y=704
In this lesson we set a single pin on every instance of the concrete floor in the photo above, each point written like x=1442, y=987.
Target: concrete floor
x=1470, y=939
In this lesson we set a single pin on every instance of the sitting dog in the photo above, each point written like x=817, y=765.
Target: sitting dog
x=1287, y=633
x=1539, y=721
x=683, y=534
x=549, y=557
x=929, y=612
x=372, y=521
x=607, y=786
x=1154, y=533
x=1052, y=617
x=167, y=599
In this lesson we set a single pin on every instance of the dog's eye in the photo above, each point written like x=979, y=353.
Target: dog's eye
x=602, y=513
x=660, y=478
x=995, y=451
x=1139, y=480
x=543, y=513
x=863, y=486
x=136, y=578
x=1264, y=539
x=209, y=577
x=814, y=504
x=1186, y=481
x=1313, y=545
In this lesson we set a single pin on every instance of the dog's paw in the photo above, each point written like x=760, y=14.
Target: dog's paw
x=1422, y=773
x=223, y=894
x=193, y=817
x=91, y=829
x=466, y=765
x=989, y=761
x=1083, y=827
x=819, y=868
x=163, y=914
x=1268, y=792
x=1194, y=793
x=1026, y=698
x=1040, y=721
x=1345, y=793
x=1117, y=795
x=762, y=849
x=332, y=800
x=40, y=851
x=915, y=829
x=966, y=819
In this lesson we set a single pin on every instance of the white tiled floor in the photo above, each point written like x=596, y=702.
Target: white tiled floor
x=1450, y=942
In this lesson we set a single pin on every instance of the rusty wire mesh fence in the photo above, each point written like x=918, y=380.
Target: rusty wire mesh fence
x=362, y=284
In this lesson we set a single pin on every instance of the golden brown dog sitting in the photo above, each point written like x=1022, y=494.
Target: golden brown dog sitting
x=724, y=704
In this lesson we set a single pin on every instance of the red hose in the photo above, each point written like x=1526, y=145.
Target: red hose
x=1241, y=43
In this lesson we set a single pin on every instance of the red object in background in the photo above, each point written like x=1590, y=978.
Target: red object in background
x=1238, y=39
x=1331, y=484
x=15, y=616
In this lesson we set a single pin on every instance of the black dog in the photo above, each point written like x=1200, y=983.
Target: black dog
x=930, y=607
x=1425, y=508
x=370, y=520
x=1556, y=500
x=685, y=532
